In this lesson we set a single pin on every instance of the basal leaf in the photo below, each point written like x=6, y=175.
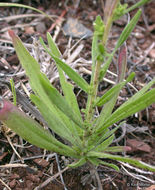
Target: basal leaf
x=139, y=93
x=135, y=106
x=104, y=144
x=110, y=93
x=96, y=140
x=79, y=163
x=110, y=165
x=30, y=130
x=69, y=94
x=55, y=123
x=28, y=62
x=53, y=47
x=94, y=161
x=66, y=86
x=59, y=101
x=68, y=70
x=134, y=162
x=32, y=69
x=114, y=149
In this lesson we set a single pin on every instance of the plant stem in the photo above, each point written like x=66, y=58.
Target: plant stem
x=92, y=97
x=95, y=176
x=95, y=78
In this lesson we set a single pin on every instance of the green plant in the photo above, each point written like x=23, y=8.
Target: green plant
x=88, y=139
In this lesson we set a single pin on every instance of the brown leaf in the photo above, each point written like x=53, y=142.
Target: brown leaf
x=152, y=187
x=138, y=145
x=41, y=162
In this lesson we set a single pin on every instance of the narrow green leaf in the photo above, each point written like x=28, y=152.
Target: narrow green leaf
x=79, y=163
x=134, y=162
x=30, y=130
x=124, y=111
x=110, y=93
x=136, y=5
x=97, y=162
x=13, y=92
x=68, y=70
x=128, y=29
x=94, y=52
x=96, y=140
x=110, y=165
x=104, y=144
x=115, y=149
x=94, y=161
x=53, y=47
x=29, y=64
x=32, y=69
x=106, y=66
x=59, y=101
x=54, y=122
x=139, y=93
x=109, y=106
x=69, y=94
x=66, y=87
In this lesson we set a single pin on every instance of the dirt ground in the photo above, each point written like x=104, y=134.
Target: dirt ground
x=26, y=167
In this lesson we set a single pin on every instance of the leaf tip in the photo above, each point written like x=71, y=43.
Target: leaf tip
x=5, y=108
x=127, y=148
x=11, y=33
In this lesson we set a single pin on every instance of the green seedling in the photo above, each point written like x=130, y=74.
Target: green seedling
x=88, y=139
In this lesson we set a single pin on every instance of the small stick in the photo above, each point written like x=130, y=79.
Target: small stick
x=13, y=165
x=57, y=21
x=5, y=184
x=9, y=140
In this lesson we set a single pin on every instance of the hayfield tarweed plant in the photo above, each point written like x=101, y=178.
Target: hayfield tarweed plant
x=89, y=139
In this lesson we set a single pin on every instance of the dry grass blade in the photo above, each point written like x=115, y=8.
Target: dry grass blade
x=3, y=183
x=13, y=166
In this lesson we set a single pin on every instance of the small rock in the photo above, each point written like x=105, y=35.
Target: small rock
x=29, y=30
x=152, y=53
x=41, y=28
x=138, y=145
x=75, y=29
x=139, y=35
